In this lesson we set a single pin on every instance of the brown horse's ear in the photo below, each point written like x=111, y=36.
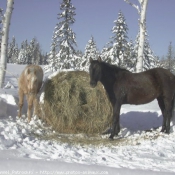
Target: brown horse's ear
x=90, y=60
x=99, y=59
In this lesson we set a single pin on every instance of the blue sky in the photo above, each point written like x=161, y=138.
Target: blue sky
x=37, y=18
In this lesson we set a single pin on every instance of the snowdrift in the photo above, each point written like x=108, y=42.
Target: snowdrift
x=135, y=151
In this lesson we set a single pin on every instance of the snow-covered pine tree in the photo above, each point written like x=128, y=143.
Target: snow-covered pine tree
x=38, y=55
x=15, y=54
x=170, y=58
x=80, y=53
x=12, y=51
x=131, y=60
x=11, y=46
x=105, y=53
x=31, y=52
x=119, y=42
x=149, y=59
x=44, y=59
x=162, y=62
x=90, y=51
x=24, y=53
x=22, y=56
x=64, y=38
x=168, y=62
x=51, y=59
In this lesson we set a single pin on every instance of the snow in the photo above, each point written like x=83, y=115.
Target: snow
x=134, y=151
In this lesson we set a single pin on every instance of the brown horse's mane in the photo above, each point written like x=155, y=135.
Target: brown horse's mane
x=109, y=70
x=112, y=67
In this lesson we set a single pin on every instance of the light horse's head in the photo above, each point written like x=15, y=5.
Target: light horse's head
x=31, y=80
x=95, y=71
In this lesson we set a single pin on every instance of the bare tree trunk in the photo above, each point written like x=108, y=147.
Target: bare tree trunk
x=1, y=16
x=4, y=44
x=142, y=26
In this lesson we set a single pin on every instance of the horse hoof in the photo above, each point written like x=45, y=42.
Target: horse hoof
x=19, y=115
x=162, y=130
x=111, y=138
x=167, y=132
x=107, y=131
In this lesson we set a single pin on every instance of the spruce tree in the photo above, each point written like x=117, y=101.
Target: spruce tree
x=32, y=47
x=44, y=59
x=131, y=57
x=168, y=62
x=106, y=54
x=12, y=54
x=33, y=52
x=119, y=42
x=149, y=59
x=90, y=52
x=52, y=61
x=22, y=56
x=170, y=58
x=64, y=39
x=15, y=54
x=11, y=50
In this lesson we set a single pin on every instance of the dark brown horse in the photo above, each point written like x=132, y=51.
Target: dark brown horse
x=124, y=87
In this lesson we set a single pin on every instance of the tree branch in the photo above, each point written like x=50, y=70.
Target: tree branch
x=140, y=1
x=133, y=5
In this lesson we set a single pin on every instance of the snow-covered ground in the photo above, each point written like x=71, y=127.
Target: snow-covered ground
x=24, y=151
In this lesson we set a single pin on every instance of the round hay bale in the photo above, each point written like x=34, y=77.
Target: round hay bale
x=72, y=106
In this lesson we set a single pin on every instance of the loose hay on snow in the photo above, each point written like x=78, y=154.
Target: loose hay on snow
x=72, y=106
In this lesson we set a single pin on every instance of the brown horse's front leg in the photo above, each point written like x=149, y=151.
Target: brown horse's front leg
x=116, y=120
x=21, y=101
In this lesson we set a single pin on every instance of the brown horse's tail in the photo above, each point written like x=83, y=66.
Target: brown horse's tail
x=173, y=112
x=173, y=116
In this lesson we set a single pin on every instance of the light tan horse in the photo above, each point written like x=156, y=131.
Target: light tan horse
x=29, y=84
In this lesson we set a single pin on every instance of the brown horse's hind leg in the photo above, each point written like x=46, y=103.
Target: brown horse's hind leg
x=21, y=101
x=169, y=112
x=162, y=107
x=166, y=106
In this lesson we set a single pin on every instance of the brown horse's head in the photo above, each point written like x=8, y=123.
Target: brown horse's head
x=95, y=71
x=31, y=80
